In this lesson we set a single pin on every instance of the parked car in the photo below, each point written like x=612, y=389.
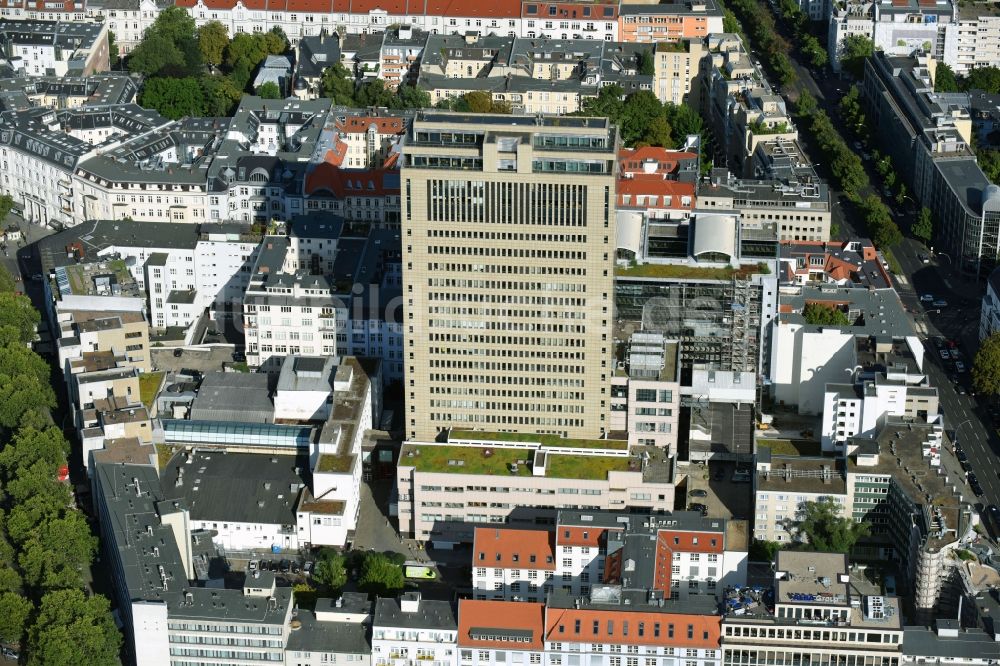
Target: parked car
x=927, y=298
x=944, y=354
x=307, y=568
x=940, y=303
x=252, y=566
x=178, y=352
x=295, y=568
x=285, y=566
x=698, y=507
x=698, y=492
x=924, y=259
x=959, y=366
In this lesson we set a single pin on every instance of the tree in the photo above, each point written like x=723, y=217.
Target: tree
x=638, y=112
x=212, y=41
x=923, y=228
x=374, y=93
x=221, y=95
x=6, y=205
x=331, y=569
x=57, y=552
x=989, y=162
x=986, y=366
x=170, y=46
x=806, y=104
x=174, y=98
x=269, y=90
x=19, y=313
x=112, y=49
x=24, y=383
x=658, y=133
x=856, y=49
x=380, y=575
x=647, y=64
x=881, y=227
x=684, y=121
x=983, y=78
x=338, y=85
x=821, y=314
x=73, y=629
x=412, y=97
x=945, y=79
x=155, y=54
x=820, y=525
x=730, y=23
x=14, y=612
x=608, y=103
x=30, y=446
x=479, y=101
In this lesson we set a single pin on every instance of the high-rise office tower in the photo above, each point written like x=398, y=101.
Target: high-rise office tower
x=508, y=266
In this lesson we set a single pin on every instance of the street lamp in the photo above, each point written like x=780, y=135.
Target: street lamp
x=955, y=439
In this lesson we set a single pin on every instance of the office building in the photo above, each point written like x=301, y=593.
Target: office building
x=812, y=613
x=928, y=139
x=445, y=489
x=510, y=217
x=989, y=318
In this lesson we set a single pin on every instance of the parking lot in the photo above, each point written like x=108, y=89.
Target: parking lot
x=718, y=487
x=202, y=359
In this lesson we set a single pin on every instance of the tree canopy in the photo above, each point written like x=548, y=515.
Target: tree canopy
x=986, y=366
x=213, y=37
x=73, y=629
x=820, y=525
x=820, y=314
x=983, y=78
x=945, y=79
x=923, y=227
x=331, y=569
x=642, y=119
x=170, y=46
x=269, y=90
x=380, y=575
x=856, y=49
x=174, y=98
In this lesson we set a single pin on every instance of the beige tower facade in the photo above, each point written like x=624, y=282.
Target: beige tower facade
x=508, y=269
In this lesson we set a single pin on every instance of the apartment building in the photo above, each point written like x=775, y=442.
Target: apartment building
x=500, y=632
x=412, y=628
x=900, y=29
x=786, y=478
x=370, y=139
x=541, y=208
x=335, y=632
x=325, y=289
x=119, y=332
x=512, y=564
x=55, y=48
x=678, y=71
x=611, y=627
x=127, y=19
x=444, y=489
x=22, y=9
x=646, y=22
x=570, y=20
x=68, y=92
x=742, y=107
x=930, y=140
x=531, y=75
x=853, y=263
x=816, y=614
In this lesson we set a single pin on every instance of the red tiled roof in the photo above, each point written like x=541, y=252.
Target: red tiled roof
x=360, y=124
x=579, y=536
x=631, y=160
x=470, y=8
x=571, y=10
x=513, y=549
x=654, y=185
x=693, y=542
x=347, y=182
x=482, y=616
x=675, y=629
